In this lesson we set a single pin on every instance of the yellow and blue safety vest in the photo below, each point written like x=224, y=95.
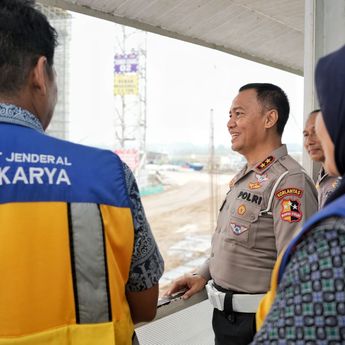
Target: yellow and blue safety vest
x=66, y=241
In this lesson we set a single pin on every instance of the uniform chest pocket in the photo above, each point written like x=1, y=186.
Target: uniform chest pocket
x=242, y=223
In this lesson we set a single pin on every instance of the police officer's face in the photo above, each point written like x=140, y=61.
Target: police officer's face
x=327, y=146
x=311, y=141
x=246, y=122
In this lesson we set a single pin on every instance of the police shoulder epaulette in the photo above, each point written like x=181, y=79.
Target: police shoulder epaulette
x=265, y=163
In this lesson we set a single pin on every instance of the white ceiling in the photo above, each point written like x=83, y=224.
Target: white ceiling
x=266, y=31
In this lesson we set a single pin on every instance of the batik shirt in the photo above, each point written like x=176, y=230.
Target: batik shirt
x=309, y=307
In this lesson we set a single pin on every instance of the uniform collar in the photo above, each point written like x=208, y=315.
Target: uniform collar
x=264, y=165
x=261, y=167
x=239, y=175
x=322, y=175
x=10, y=113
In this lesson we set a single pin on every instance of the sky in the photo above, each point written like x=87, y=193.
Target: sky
x=184, y=81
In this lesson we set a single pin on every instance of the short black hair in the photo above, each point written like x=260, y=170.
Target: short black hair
x=272, y=96
x=25, y=35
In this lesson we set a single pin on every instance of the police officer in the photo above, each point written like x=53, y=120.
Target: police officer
x=265, y=205
x=325, y=184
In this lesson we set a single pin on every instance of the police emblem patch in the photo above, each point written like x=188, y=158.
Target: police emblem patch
x=261, y=178
x=292, y=191
x=254, y=185
x=237, y=229
x=291, y=211
x=241, y=210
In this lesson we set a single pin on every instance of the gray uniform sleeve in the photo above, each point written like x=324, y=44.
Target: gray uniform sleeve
x=295, y=200
x=147, y=264
x=204, y=270
x=325, y=188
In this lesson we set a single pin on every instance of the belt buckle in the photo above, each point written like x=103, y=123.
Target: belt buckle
x=215, y=297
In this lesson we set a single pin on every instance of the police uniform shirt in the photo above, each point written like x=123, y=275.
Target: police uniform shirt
x=264, y=207
x=325, y=185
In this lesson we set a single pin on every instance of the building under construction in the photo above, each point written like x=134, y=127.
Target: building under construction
x=61, y=21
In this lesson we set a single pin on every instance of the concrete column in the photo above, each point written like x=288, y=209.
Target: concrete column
x=324, y=32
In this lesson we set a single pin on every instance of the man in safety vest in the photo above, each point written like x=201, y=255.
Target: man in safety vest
x=78, y=262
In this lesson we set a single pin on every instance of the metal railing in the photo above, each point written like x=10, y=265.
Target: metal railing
x=179, y=322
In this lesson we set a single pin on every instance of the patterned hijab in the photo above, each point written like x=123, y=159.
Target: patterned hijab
x=330, y=87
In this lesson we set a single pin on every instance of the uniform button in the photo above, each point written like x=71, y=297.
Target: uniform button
x=252, y=217
x=212, y=255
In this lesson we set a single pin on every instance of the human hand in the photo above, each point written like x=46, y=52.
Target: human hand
x=191, y=283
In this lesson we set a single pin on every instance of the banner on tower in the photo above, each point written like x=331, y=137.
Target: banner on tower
x=126, y=63
x=126, y=77
x=126, y=84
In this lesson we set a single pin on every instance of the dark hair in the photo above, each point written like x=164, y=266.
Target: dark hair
x=272, y=96
x=25, y=35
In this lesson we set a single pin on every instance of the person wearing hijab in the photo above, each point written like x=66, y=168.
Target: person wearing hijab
x=306, y=303
x=325, y=184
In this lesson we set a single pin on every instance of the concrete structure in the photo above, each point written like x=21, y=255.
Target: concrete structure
x=324, y=33
x=266, y=31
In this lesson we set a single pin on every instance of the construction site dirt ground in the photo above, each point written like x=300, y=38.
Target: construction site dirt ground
x=183, y=217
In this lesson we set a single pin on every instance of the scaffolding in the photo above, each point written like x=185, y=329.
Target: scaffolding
x=61, y=21
x=130, y=107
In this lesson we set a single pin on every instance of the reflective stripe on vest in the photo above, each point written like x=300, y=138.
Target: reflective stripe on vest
x=89, y=263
